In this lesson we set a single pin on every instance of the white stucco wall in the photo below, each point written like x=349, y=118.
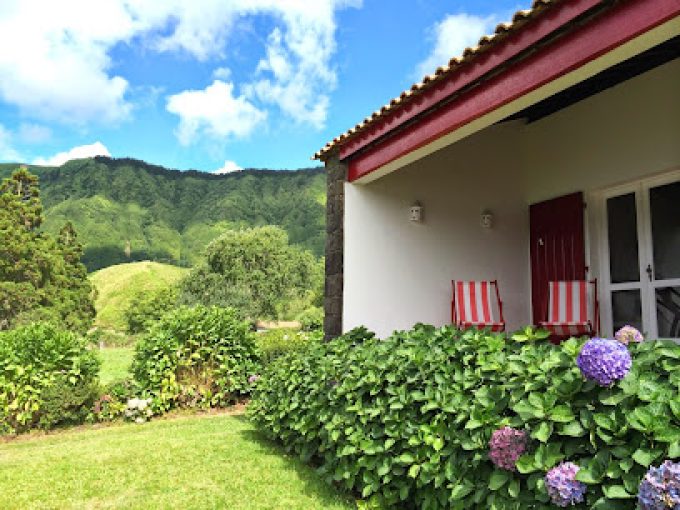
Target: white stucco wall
x=398, y=273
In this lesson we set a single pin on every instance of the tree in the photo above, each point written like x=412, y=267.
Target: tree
x=40, y=277
x=255, y=270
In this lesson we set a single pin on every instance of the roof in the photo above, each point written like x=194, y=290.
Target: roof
x=486, y=42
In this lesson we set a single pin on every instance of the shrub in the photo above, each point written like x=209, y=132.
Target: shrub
x=275, y=343
x=48, y=377
x=311, y=319
x=195, y=357
x=147, y=307
x=407, y=421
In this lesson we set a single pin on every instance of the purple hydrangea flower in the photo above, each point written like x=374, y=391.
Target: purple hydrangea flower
x=604, y=361
x=253, y=378
x=562, y=487
x=628, y=334
x=506, y=446
x=660, y=488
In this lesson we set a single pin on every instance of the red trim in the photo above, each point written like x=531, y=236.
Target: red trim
x=585, y=43
x=514, y=44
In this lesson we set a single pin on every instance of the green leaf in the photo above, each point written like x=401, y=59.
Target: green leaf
x=616, y=492
x=498, y=479
x=513, y=488
x=573, y=429
x=438, y=444
x=674, y=450
x=666, y=433
x=542, y=432
x=561, y=414
x=461, y=489
x=526, y=464
x=414, y=470
x=645, y=457
x=406, y=458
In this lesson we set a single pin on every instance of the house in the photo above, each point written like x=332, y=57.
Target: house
x=550, y=151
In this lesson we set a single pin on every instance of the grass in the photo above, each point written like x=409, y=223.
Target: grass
x=197, y=462
x=115, y=363
x=117, y=285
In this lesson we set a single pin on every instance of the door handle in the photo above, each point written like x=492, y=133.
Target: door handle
x=650, y=272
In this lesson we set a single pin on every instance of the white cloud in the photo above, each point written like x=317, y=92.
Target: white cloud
x=81, y=151
x=222, y=73
x=214, y=112
x=228, y=167
x=55, y=57
x=452, y=35
x=7, y=152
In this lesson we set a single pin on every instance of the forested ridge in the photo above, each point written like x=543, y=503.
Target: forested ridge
x=125, y=209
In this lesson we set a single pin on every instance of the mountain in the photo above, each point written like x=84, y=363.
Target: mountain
x=126, y=210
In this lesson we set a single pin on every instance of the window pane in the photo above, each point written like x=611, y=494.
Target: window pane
x=668, y=312
x=665, y=208
x=623, y=240
x=626, y=309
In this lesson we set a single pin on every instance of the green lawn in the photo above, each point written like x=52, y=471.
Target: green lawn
x=115, y=363
x=198, y=462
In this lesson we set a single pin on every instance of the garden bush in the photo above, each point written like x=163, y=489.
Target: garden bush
x=149, y=306
x=311, y=319
x=48, y=377
x=275, y=343
x=433, y=418
x=195, y=357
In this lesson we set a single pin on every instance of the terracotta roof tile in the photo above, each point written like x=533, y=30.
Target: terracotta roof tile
x=485, y=42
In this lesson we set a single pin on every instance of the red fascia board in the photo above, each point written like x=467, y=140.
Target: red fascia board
x=615, y=27
x=524, y=38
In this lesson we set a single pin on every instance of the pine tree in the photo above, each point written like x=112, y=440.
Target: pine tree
x=40, y=277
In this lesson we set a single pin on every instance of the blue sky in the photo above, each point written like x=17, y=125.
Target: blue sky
x=214, y=84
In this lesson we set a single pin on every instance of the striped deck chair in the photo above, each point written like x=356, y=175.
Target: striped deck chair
x=573, y=309
x=472, y=305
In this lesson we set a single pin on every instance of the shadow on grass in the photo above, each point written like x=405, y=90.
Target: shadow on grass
x=314, y=485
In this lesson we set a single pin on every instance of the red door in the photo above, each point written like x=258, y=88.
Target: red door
x=557, y=247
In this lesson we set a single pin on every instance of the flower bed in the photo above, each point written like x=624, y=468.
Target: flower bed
x=437, y=418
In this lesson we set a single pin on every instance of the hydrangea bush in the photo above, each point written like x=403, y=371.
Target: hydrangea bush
x=409, y=421
x=195, y=357
x=604, y=361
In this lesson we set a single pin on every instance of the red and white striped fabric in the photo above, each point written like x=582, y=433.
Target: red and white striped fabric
x=473, y=306
x=570, y=309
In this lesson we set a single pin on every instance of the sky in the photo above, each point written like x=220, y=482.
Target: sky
x=214, y=85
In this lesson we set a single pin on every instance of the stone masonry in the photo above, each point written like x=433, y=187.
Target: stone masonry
x=336, y=173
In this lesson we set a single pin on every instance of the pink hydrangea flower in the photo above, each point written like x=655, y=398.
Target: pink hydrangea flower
x=253, y=378
x=628, y=334
x=506, y=446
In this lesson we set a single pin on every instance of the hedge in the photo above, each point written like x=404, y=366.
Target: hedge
x=48, y=377
x=406, y=422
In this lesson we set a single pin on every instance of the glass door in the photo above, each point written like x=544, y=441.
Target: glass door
x=625, y=289
x=663, y=269
x=642, y=281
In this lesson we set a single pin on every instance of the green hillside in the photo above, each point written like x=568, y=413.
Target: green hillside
x=116, y=286
x=127, y=210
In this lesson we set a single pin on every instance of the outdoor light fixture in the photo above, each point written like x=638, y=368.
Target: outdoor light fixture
x=487, y=219
x=416, y=212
